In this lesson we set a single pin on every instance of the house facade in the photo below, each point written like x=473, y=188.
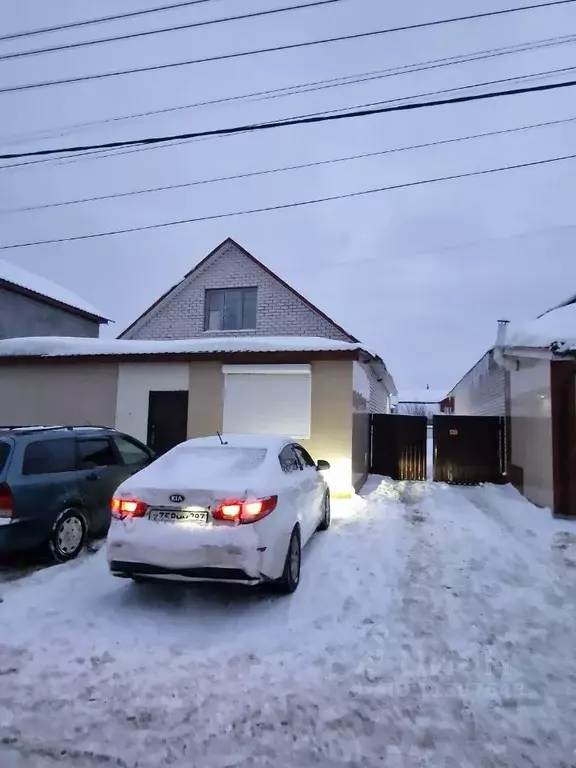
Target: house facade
x=31, y=305
x=231, y=348
x=529, y=377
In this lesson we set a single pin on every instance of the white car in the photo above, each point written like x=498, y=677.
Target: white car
x=233, y=508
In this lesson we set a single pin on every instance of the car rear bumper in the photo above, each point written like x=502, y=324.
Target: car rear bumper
x=130, y=570
x=167, y=550
x=20, y=535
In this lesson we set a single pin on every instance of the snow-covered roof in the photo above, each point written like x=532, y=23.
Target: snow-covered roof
x=421, y=396
x=45, y=288
x=557, y=327
x=270, y=442
x=63, y=346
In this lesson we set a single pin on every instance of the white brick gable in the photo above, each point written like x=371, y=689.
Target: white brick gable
x=280, y=312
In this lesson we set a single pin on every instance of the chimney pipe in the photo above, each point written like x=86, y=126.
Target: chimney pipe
x=501, y=335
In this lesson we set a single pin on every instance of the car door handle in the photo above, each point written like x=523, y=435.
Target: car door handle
x=92, y=476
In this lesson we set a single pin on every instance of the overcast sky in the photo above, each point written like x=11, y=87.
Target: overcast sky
x=420, y=274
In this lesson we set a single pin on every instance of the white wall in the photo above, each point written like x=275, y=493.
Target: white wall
x=531, y=428
x=135, y=382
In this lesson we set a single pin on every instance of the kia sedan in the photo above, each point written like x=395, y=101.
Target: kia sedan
x=233, y=509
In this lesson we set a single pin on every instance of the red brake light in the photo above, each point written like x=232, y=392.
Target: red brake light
x=123, y=508
x=245, y=511
x=6, y=501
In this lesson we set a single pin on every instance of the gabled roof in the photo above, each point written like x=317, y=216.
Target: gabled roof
x=203, y=262
x=16, y=279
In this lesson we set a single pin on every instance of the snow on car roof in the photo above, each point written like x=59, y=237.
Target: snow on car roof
x=17, y=276
x=63, y=346
x=555, y=327
x=269, y=442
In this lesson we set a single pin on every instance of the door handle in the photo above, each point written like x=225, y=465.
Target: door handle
x=92, y=476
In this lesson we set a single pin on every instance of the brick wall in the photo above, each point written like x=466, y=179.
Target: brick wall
x=379, y=402
x=483, y=390
x=279, y=312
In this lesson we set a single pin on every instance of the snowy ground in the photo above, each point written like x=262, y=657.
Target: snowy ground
x=434, y=626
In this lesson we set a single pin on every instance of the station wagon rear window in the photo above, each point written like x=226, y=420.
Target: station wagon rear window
x=46, y=457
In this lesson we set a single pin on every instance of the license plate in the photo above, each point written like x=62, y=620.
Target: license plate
x=179, y=515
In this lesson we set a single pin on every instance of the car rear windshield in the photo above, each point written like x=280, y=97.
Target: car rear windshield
x=4, y=453
x=221, y=458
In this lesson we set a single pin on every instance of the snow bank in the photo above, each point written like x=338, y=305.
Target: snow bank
x=433, y=626
x=555, y=327
x=62, y=346
x=41, y=285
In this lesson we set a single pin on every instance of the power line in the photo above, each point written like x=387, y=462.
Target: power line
x=102, y=19
x=97, y=154
x=162, y=30
x=311, y=119
x=273, y=49
x=269, y=171
x=285, y=206
x=314, y=85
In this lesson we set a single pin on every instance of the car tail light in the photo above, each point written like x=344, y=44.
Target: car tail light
x=245, y=511
x=123, y=508
x=6, y=501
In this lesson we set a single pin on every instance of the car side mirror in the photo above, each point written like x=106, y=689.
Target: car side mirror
x=322, y=465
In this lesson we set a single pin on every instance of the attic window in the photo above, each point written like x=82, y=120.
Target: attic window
x=230, y=309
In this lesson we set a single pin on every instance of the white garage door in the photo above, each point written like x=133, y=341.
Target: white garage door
x=267, y=400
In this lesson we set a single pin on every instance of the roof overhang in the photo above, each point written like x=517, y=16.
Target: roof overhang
x=244, y=358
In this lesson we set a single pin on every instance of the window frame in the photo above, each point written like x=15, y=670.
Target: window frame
x=98, y=438
x=242, y=290
x=299, y=466
x=72, y=468
x=135, y=443
x=305, y=456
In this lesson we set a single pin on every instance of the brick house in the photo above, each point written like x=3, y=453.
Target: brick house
x=529, y=376
x=230, y=348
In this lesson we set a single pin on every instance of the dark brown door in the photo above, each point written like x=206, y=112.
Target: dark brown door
x=399, y=446
x=469, y=450
x=167, y=420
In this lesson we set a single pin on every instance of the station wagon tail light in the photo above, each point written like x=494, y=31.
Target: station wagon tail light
x=245, y=511
x=6, y=502
x=123, y=508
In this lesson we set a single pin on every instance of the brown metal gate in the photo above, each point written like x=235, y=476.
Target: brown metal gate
x=398, y=446
x=469, y=450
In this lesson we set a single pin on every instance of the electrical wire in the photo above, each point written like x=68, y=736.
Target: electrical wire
x=308, y=87
x=163, y=30
x=283, y=169
x=274, y=49
x=102, y=19
x=314, y=117
x=286, y=206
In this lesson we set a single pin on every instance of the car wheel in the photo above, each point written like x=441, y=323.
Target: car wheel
x=325, y=522
x=68, y=536
x=288, y=582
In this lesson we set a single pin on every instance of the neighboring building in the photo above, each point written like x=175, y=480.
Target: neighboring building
x=529, y=376
x=31, y=305
x=483, y=390
x=425, y=402
x=230, y=348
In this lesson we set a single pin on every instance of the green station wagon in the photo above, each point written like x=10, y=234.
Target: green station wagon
x=56, y=484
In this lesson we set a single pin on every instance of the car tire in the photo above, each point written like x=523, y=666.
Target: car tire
x=288, y=582
x=68, y=536
x=325, y=522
